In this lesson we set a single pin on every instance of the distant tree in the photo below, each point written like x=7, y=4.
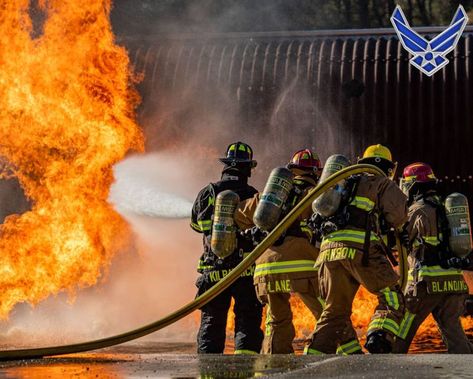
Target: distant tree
x=150, y=16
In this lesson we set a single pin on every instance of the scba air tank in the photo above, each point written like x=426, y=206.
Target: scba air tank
x=328, y=203
x=223, y=241
x=458, y=215
x=273, y=198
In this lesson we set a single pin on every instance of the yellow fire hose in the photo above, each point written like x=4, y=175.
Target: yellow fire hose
x=403, y=264
x=208, y=295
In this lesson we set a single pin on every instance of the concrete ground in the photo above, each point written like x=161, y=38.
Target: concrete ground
x=176, y=360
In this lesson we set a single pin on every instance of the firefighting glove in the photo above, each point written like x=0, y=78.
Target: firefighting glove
x=404, y=238
x=314, y=223
x=469, y=306
x=255, y=234
x=460, y=263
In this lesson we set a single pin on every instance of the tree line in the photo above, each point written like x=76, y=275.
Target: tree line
x=151, y=16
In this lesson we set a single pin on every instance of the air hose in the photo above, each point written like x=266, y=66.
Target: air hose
x=208, y=295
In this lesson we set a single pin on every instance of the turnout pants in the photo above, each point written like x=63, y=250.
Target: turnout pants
x=446, y=310
x=279, y=330
x=248, y=316
x=339, y=281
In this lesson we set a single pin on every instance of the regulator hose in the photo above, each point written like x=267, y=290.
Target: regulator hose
x=206, y=296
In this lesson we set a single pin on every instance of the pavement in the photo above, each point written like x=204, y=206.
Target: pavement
x=175, y=360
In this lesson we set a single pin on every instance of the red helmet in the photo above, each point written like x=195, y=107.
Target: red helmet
x=419, y=172
x=416, y=173
x=305, y=159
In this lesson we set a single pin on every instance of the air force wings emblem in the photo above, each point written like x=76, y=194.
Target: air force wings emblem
x=429, y=56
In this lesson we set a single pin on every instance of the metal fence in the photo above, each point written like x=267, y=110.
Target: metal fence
x=358, y=88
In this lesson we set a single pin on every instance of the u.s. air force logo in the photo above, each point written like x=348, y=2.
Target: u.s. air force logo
x=429, y=56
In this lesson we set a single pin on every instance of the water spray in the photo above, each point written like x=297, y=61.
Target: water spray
x=208, y=295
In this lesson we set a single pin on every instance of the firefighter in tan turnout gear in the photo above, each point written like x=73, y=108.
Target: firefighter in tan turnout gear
x=352, y=253
x=434, y=285
x=288, y=266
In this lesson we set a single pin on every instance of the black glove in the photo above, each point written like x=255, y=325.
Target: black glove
x=459, y=263
x=255, y=234
x=469, y=306
x=404, y=238
x=315, y=222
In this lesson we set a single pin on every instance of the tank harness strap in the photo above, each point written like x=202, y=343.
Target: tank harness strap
x=367, y=242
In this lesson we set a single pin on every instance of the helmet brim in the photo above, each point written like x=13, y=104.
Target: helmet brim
x=235, y=161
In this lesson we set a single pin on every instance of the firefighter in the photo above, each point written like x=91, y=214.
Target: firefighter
x=352, y=253
x=433, y=287
x=288, y=266
x=238, y=164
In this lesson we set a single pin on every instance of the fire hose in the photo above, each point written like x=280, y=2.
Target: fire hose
x=403, y=264
x=208, y=295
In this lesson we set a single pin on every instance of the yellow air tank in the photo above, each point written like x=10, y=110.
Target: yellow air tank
x=458, y=215
x=272, y=200
x=223, y=241
x=328, y=203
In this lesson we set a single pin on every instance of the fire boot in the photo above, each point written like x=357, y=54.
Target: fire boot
x=469, y=306
x=378, y=343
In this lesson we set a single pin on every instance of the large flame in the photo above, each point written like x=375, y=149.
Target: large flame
x=66, y=116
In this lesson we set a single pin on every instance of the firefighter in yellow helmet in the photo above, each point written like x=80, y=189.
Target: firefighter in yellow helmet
x=434, y=287
x=352, y=253
x=288, y=266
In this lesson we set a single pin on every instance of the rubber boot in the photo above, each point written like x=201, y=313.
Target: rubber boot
x=378, y=343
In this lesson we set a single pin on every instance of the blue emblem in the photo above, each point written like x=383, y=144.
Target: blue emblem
x=429, y=56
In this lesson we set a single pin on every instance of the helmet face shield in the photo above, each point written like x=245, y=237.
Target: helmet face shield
x=238, y=152
x=307, y=162
x=419, y=175
x=406, y=185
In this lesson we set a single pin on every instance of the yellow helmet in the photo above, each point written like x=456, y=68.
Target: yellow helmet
x=378, y=151
x=381, y=157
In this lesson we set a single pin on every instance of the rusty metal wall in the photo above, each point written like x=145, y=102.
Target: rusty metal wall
x=360, y=81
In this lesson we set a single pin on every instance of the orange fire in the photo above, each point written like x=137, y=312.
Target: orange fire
x=67, y=115
x=428, y=338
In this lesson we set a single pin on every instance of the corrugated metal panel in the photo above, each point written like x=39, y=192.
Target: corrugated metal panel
x=419, y=117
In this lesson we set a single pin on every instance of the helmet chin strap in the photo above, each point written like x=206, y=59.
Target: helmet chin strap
x=392, y=172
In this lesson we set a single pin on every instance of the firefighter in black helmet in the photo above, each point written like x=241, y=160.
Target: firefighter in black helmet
x=238, y=164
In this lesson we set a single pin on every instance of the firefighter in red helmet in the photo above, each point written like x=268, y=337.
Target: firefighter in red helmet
x=288, y=266
x=434, y=286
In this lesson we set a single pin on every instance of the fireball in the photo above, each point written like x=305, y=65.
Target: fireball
x=67, y=115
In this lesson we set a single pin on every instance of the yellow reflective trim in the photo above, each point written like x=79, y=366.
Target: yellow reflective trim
x=349, y=348
x=283, y=267
x=232, y=147
x=195, y=227
x=384, y=323
x=267, y=323
x=242, y=148
x=363, y=203
x=436, y=271
x=309, y=351
x=406, y=324
x=205, y=224
x=391, y=298
x=211, y=201
x=245, y=352
x=432, y=240
x=347, y=235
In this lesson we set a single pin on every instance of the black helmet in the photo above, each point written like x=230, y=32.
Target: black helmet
x=238, y=152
